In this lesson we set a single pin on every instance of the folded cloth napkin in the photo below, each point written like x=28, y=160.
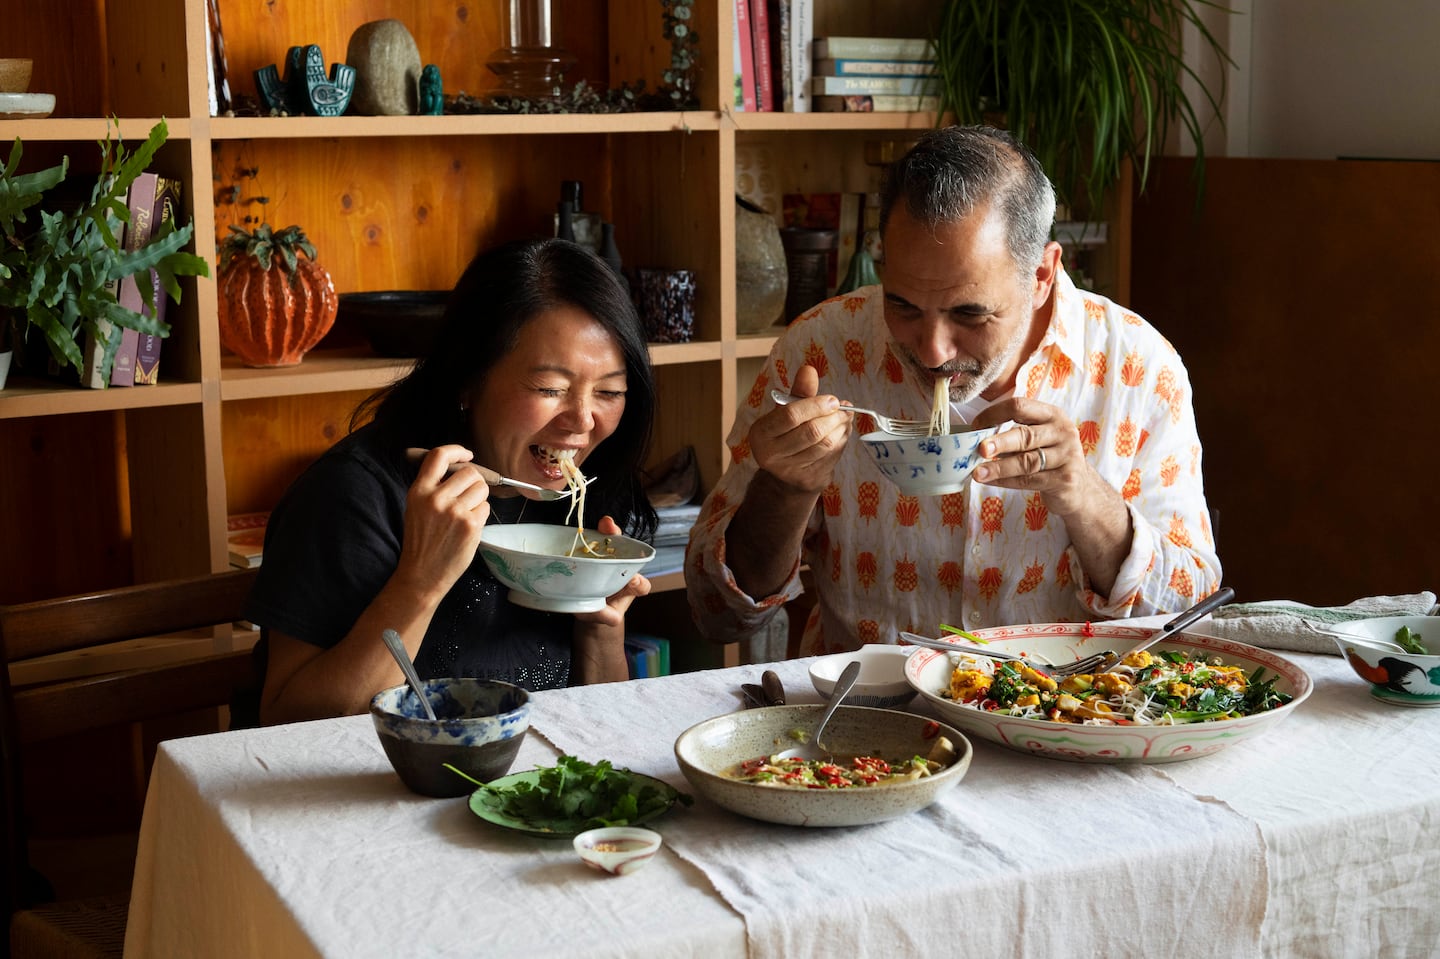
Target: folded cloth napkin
x=1280, y=624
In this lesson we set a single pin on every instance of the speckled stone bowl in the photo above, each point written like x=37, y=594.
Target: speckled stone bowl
x=707, y=750
x=479, y=726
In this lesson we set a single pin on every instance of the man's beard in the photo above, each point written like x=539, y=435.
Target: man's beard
x=979, y=376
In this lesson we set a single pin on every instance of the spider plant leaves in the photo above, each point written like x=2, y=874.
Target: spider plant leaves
x=1087, y=84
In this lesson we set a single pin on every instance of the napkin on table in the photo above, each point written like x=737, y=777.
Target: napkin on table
x=1280, y=624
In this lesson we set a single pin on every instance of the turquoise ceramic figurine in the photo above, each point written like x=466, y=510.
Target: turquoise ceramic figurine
x=432, y=97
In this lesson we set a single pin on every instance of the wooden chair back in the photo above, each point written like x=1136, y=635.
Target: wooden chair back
x=34, y=714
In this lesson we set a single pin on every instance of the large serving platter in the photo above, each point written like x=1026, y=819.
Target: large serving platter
x=928, y=670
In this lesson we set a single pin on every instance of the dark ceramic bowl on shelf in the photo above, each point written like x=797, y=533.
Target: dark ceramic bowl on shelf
x=400, y=323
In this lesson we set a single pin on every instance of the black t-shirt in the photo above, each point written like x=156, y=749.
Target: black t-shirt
x=334, y=540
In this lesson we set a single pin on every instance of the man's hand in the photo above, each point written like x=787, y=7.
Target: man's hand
x=799, y=444
x=1043, y=453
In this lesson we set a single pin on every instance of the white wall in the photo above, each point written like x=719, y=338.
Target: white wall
x=1327, y=78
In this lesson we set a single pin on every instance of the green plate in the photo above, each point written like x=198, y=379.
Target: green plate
x=486, y=806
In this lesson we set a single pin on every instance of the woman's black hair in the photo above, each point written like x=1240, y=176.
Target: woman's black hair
x=501, y=290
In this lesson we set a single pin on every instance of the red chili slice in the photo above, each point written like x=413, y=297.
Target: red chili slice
x=931, y=730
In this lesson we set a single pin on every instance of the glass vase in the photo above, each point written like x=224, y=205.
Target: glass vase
x=530, y=65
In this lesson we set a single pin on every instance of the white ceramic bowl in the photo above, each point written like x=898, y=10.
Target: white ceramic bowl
x=928, y=671
x=707, y=750
x=1402, y=679
x=617, y=850
x=534, y=560
x=928, y=465
x=478, y=728
x=882, y=681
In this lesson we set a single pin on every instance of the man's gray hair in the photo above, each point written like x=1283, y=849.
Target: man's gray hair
x=951, y=172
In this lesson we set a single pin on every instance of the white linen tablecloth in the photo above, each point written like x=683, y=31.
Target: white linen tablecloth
x=1314, y=840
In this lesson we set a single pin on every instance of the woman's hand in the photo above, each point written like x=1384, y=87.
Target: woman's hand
x=613, y=614
x=598, y=650
x=445, y=514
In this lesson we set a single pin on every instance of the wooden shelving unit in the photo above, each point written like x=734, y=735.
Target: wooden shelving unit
x=127, y=485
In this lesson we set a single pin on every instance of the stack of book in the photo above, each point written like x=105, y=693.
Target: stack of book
x=772, y=55
x=246, y=535
x=671, y=535
x=865, y=74
x=647, y=655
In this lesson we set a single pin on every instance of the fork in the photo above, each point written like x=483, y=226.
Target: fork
x=1079, y=666
x=415, y=454
x=886, y=424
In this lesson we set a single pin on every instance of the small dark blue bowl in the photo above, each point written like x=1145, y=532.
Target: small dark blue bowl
x=478, y=728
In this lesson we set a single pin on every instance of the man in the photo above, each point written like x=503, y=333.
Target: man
x=1090, y=507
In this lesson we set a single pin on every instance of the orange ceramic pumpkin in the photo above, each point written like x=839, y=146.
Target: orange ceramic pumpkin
x=274, y=306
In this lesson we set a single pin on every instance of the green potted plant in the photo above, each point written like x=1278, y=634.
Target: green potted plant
x=1086, y=84
x=60, y=272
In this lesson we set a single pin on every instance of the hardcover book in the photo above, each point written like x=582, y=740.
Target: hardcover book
x=764, y=72
x=745, y=56
x=147, y=353
x=874, y=68
x=802, y=35
x=877, y=103
x=873, y=48
x=902, y=86
x=142, y=222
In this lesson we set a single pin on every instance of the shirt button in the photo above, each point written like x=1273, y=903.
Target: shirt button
x=975, y=550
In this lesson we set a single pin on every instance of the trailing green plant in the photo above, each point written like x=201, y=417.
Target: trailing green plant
x=1086, y=84
x=61, y=276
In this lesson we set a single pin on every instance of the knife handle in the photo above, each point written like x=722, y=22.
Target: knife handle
x=774, y=689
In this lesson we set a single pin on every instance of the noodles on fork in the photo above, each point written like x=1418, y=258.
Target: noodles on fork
x=575, y=479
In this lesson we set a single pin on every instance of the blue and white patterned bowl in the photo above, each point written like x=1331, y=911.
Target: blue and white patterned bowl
x=479, y=725
x=929, y=465
x=534, y=560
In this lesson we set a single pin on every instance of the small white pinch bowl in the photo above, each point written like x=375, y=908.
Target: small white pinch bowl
x=929, y=465
x=534, y=560
x=617, y=850
x=881, y=684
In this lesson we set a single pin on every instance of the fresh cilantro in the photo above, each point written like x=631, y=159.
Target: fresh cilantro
x=574, y=794
x=1410, y=641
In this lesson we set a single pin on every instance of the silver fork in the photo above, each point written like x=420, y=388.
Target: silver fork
x=1079, y=666
x=886, y=424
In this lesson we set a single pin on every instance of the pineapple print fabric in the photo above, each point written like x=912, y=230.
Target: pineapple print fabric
x=986, y=556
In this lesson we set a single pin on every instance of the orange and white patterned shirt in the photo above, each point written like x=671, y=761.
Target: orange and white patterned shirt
x=986, y=556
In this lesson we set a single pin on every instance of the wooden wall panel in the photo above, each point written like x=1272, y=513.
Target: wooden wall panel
x=1303, y=301
x=269, y=442
x=406, y=213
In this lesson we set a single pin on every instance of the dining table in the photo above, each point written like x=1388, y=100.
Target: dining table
x=1320, y=837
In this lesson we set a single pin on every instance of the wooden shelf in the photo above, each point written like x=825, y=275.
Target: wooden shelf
x=391, y=203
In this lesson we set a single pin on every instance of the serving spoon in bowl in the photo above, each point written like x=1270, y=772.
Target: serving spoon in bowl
x=396, y=645
x=815, y=749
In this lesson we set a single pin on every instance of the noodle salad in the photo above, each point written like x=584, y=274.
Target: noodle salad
x=1171, y=687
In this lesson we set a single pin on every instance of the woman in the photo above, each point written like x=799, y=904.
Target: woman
x=540, y=352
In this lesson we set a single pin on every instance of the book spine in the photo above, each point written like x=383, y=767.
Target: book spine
x=780, y=40
x=874, y=68
x=745, y=56
x=142, y=223
x=873, y=48
x=802, y=33
x=764, y=77
x=147, y=353
x=894, y=86
x=877, y=103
